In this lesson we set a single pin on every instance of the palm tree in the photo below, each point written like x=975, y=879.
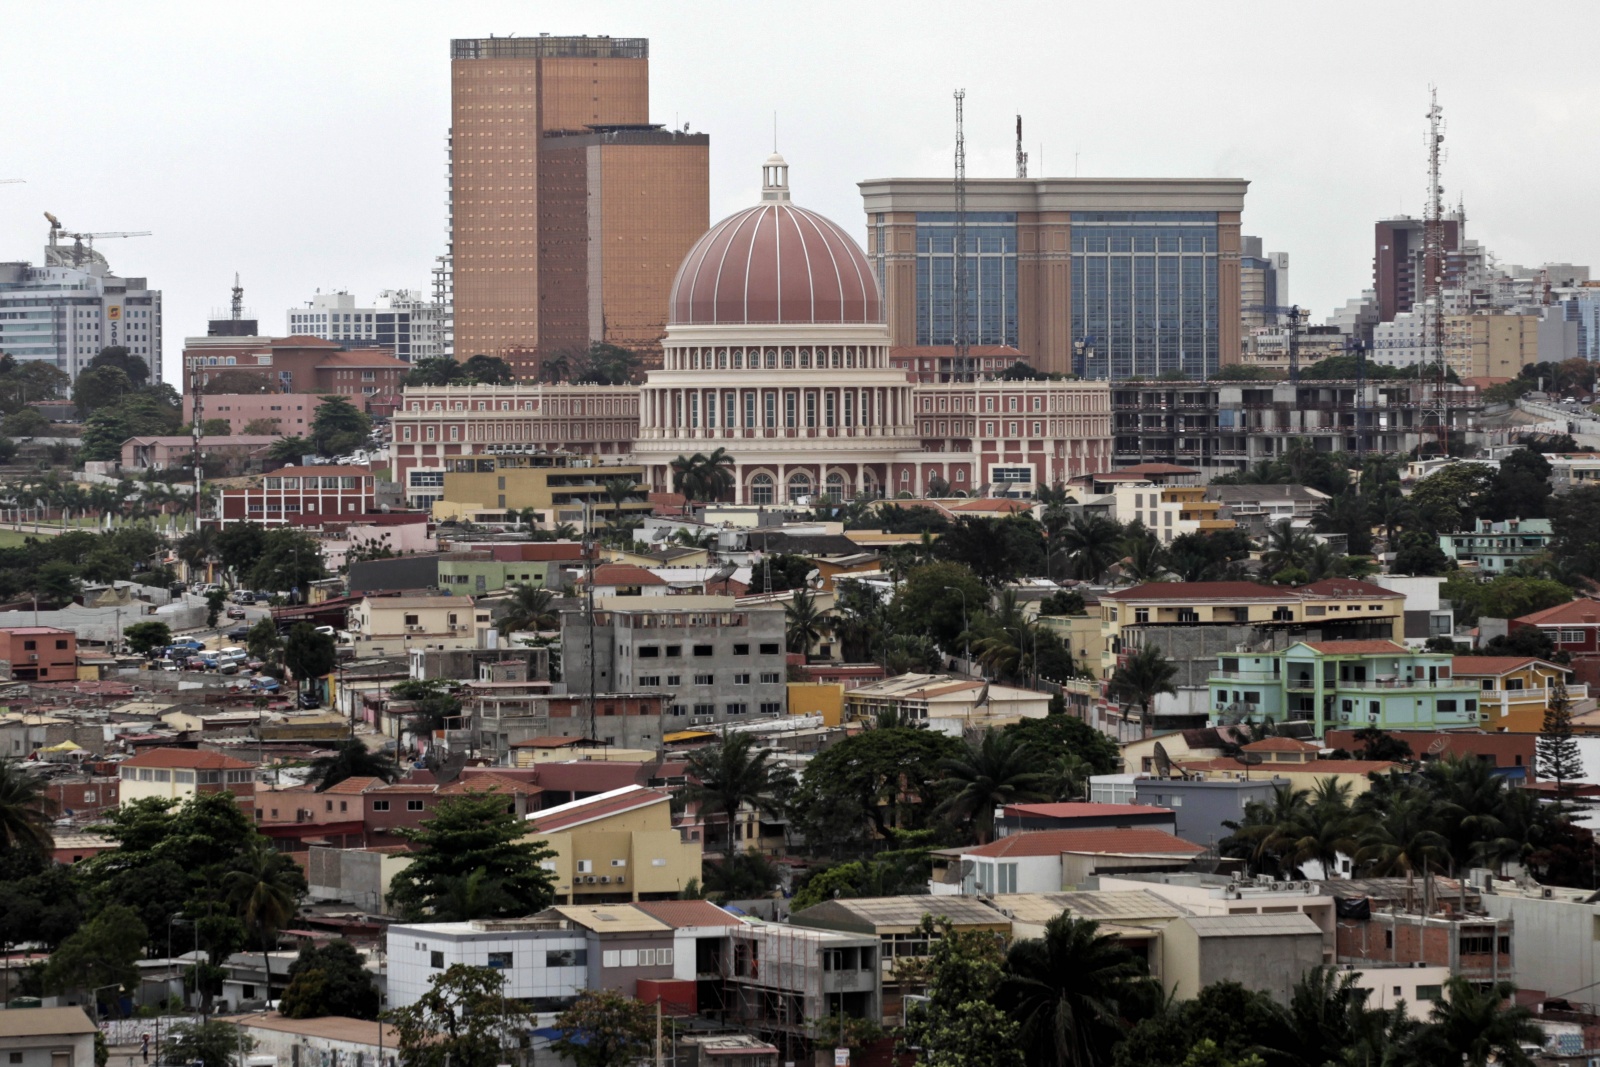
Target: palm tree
x=1473, y=1027
x=1090, y=543
x=1286, y=547
x=997, y=770
x=1405, y=840
x=804, y=623
x=717, y=474
x=529, y=609
x=688, y=476
x=25, y=810
x=350, y=759
x=290, y=450
x=261, y=897
x=1145, y=560
x=1325, y=830
x=1145, y=675
x=732, y=774
x=1066, y=992
x=1263, y=836
x=619, y=491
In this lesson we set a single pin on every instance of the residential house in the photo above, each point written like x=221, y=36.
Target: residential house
x=425, y=620
x=1574, y=628
x=1256, y=508
x=333, y=817
x=623, y=580
x=513, y=479
x=229, y=454
x=39, y=653
x=1314, y=685
x=616, y=846
x=1569, y=471
x=947, y=704
x=1078, y=815
x=544, y=959
x=1509, y=754
x=330, y=1039
x=180, y=773
x=1498, y=547
x=1515, y=691
x=47, y=1037
x=1204, y=805
x=1048, y=861
x=780, y=979
x=1199, y=893
x=1434, y=921
x=1427, y=613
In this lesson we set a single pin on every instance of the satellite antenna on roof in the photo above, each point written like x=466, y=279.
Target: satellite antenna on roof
x=1163, y=762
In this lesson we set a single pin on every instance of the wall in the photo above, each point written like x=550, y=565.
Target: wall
x=294, y=412
x=1202, y=807
x=39, y=1051
x=1388, y=986
x=817, y=698
x=530, y=975
x=1271, y=964
x=314, y=1050
x=1558, y=944
x=354, y=876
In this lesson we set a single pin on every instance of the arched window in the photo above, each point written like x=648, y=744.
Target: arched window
x=835, y=490
x=761, y=489
x=799, y=486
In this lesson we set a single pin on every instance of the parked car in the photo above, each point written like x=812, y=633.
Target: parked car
x=166, y=665
x=197, y=663
x=238, y=633
x=266, y=683
x=235, y=613
x=186, y=645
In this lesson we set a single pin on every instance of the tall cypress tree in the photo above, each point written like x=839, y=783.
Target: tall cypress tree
x=1558, y=755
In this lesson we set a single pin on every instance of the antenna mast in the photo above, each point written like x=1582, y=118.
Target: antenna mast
x=1433, y=264
x=1022, y=157
x=961, y=363
x=238, y=298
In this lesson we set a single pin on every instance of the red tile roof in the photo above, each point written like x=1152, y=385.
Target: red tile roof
x=1077, y=809
x=597, y=807
x=992, y=504
x=1356, y=648
x=1349, y=587
x=624, y=574
x=681, y=913
x=1476, y=665
x=488, y=783
x=364, y=357
x=548, y=742
x=1573, y=612
x=352, y=786
x=590, y=776
x=188, y=759
x=1199, y=592
x=1335, y=766
x=1280, y=744
x=1138, y=840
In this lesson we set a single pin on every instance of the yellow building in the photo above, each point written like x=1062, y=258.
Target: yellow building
x=1515, y=690
x=818, y=698
x=1339, y=607
x=433, y=620
x=616, y=847
x=565, y=749
x=1082, y=635
x=180, y=773
x=556, y=487
x=1206, y=515
x=1490, y=346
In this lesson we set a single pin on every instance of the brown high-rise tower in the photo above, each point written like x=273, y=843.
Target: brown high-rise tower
x=525, y=258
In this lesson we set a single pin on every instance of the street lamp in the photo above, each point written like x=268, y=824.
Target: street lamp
x=965, y=632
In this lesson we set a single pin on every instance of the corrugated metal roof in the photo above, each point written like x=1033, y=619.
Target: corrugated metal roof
x=1253, y=925
x=906, y=912
x=1121, y=906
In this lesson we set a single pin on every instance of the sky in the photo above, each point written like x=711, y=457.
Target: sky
x=303, y=145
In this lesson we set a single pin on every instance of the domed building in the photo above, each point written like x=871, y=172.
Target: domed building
x=776, y=350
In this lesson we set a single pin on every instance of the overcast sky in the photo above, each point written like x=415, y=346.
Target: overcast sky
x=302, y=144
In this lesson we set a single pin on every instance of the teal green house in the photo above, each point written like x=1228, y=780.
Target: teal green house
x=473, y=576
x=1343, y=685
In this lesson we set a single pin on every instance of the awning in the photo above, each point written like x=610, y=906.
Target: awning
x=65, y=746
x=687, y=735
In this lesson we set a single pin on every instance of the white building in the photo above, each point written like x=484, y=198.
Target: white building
x=64, y=315
x=401, y=320
x=1404, y=342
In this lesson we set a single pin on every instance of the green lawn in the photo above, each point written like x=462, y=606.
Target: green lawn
x=13, y=539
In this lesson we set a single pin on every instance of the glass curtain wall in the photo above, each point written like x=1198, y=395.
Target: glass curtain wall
x=991, y=255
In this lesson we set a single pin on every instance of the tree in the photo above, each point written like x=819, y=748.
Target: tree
x=239, y=545
x=214, y=604
x=603, y=1028
x=262, y=642
x=529, y=608
x=1090, y=543
x=1377, y=745
x=231, y=381
x=467, y=834
x=25, y=811
x=1144, y=676
x=437, y=370
x=330, y=980
x=1575, y=525
x=1560, y=760
x=703, y=477
x=998, y=770
x=339, y=427
x=308, y=654
x=604, y=364
x=731, y=775
x=100, y=388
x=619, y=491
x=960, y=1025
x=1066, y=991
x=486, y=370
x=290, y=450
x=1450, y=498
x=805, y=625
x=104, y=952
x=1062, y=602
x=286, y=560
x=1474, y=1027
x=869, y=787
x=1521, y=488
x=351, y=758
x=996, y=550
x=25, y=423
x=212, y=1043
x=1058, y=735
x=142, y=637
x=432, y=701
x=263, y=896
x=1238, y=1021
x=463, y=1019
x=939, y=600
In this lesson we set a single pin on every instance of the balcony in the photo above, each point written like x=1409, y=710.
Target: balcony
x=1452, y=684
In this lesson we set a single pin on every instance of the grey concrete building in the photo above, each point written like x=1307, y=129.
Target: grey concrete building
x=711, y=661
x=1202, y=807
x=1262, y=952
x=47, y=1037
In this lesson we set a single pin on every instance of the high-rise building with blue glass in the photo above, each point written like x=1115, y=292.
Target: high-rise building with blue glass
x=1102, y=277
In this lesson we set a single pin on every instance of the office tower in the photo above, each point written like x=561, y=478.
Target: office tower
x=569, y=211
x=1107, y=277
x=1263, y=285
x=64, y=314
x=1397, y=262
x=400, y=320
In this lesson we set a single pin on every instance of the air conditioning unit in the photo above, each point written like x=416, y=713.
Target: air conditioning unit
x=605, y=879
x=621, y=880
x=414, y=629
x=589, y=878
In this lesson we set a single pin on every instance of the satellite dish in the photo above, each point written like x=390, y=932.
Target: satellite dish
x=1438, y=746
x=1163, y=761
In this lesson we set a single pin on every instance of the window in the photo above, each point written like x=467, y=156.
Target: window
x=705, y=709
x=1571, y=637
x=380, y=805
x=741, y=650
x=704, y=650
x=436, y=960
x=770, y=678
x=674, y=651
x=741, y=679
x=1429, y=992
x=769, y=648
x=413, y=805
x=500, y=960
x=650, y=679
x=585, y=866
x=566, y=957
x=649, y=652
x=737, y=708
x=771, y=707
x=705, y=679
x=61, y=644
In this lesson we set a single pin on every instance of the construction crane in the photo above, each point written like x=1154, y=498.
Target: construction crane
x=1297, y=320
x=80, y=250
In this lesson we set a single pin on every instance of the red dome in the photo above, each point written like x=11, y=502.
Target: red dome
x=775, y=263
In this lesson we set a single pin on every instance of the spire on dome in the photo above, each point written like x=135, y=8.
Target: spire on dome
x=775, y=178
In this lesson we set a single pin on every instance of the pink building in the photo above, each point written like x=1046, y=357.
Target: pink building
x=292, y=412
x=301, y=495
x=161, y=453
